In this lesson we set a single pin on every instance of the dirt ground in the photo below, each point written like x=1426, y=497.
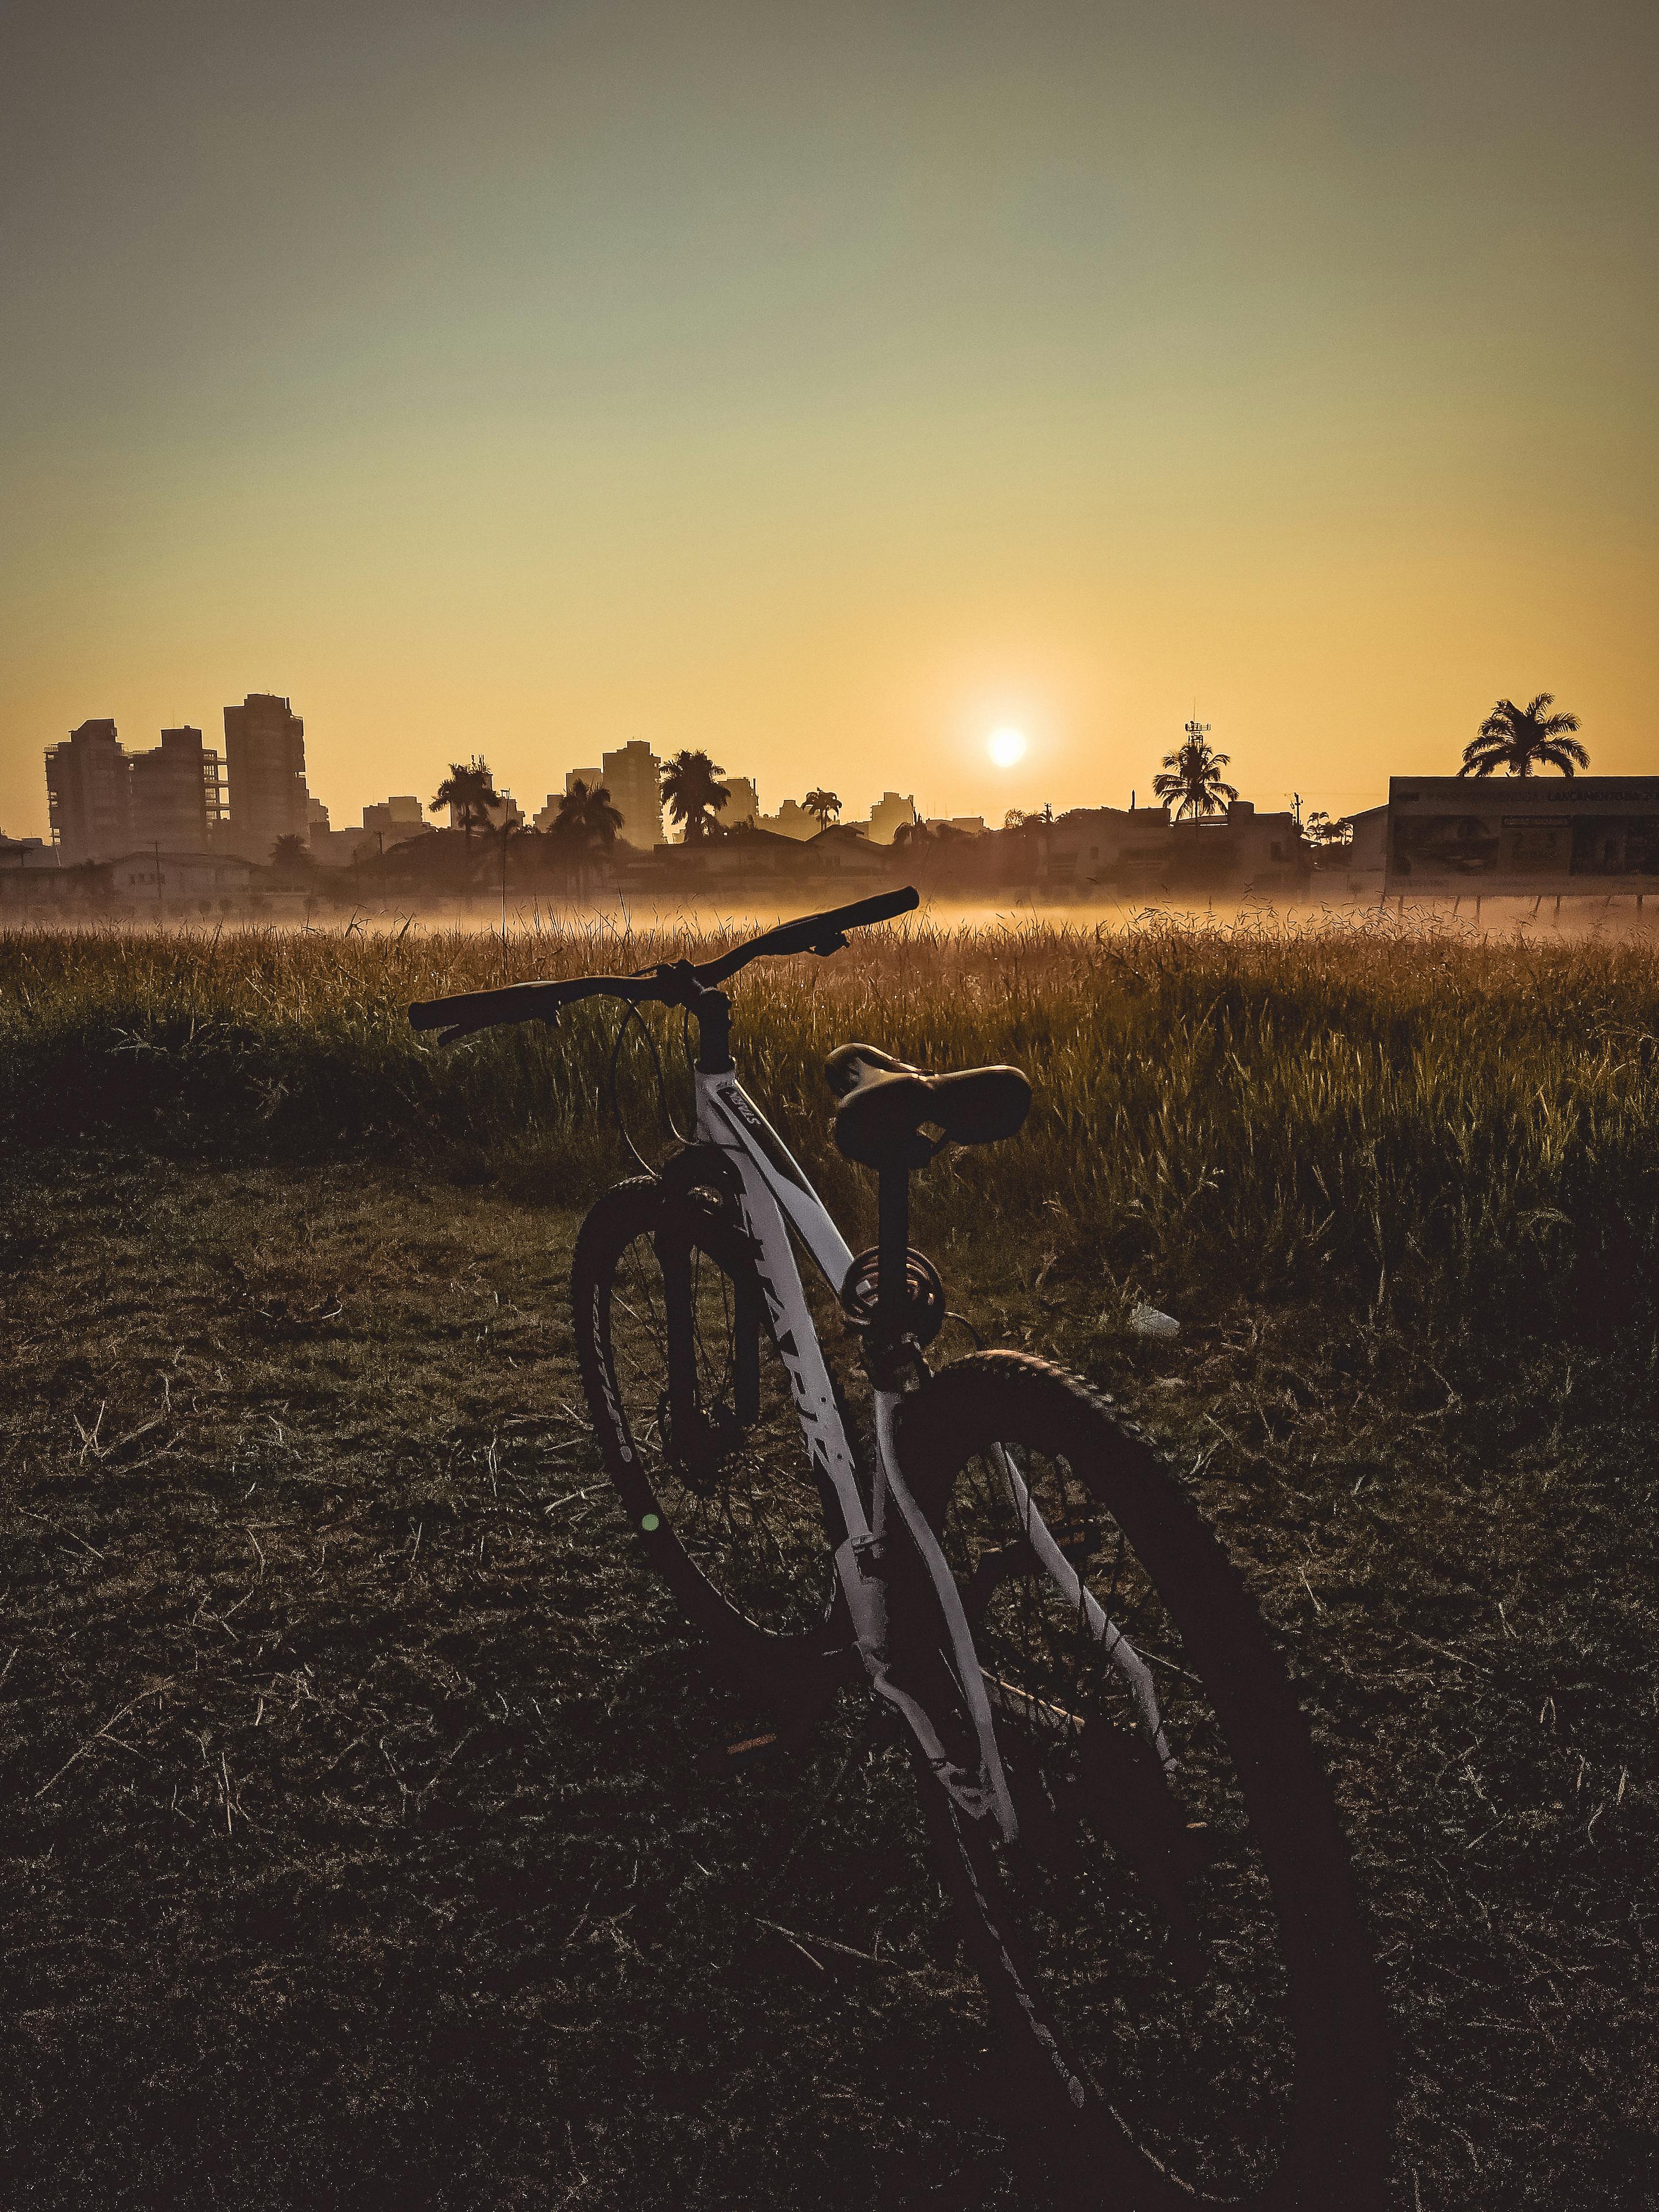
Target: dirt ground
x=357, y=1848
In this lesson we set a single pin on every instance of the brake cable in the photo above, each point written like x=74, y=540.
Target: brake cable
x=633, y=1014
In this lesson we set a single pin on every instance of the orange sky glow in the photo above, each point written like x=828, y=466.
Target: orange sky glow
x=830, y=387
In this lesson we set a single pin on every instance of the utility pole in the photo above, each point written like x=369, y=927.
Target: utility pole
x=505, y=832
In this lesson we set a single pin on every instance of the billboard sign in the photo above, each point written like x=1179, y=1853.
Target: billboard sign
x=1521, y=836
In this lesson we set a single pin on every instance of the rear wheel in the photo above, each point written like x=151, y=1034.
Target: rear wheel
x=696, y=1420
x=1171, y=1947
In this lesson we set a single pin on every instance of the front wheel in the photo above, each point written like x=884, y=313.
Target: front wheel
x=1170, y=1947
x=695, y=1418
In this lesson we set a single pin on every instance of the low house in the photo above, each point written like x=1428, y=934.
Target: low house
x=1244, y=854
x=1357, y=868
x=1122, y=853
x=843, y=851
x=32, y=874
x=1097, y=851
x=752, y=854
x=178, y=881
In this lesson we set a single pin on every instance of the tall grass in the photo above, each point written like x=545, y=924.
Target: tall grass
x=1450, y=1127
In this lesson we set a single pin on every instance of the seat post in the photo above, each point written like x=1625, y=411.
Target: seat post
x=892, y=1249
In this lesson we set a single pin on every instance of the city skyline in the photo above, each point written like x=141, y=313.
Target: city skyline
x=824, y=389
x=107, y=798
x=1007, y=748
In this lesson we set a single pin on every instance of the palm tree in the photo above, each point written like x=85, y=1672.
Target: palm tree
x=1521, y=739
x=822, y=806
x=693, y=792
x=291, y=859
x=1193, y=775
x=585, y=821
x=1319, y=830
x=588, y=816
x=470, y=790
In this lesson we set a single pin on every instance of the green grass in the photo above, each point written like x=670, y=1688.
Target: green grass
x=356, y=1847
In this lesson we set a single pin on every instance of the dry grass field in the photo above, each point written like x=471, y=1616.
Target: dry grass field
x=356, y=1847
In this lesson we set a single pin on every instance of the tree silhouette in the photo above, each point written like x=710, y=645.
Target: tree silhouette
x=822, y=806
x=693, y=793
x=1193, y=776
x=587, y=818
x=1322, y=831
x=915, y=835
x=469, y=788
x=93, y=879
x=291, y=859
x=1520, y=739
x=586, y=821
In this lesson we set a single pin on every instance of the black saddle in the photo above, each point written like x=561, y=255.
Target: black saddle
x=885, y=1106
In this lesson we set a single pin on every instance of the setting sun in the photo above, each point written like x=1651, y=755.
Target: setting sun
x=1007, y=746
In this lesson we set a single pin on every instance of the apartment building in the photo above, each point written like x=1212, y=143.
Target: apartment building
x=178, y=798
x=89, y=793
x=265, y=757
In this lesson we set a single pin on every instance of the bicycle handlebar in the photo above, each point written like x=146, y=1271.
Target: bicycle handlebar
x=674, y=983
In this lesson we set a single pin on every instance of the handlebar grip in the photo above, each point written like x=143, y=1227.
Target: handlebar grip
x=477, y=1010
x=813, y=929
x=524, y=1002
x=884, y=907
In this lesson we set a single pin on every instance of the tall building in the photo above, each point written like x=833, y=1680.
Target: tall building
x=265, y=755
x=177, y=797
x=633, y=776
x=791, y=820
x=888, y=816
x=90, y=794
x=395, y=819
x=742, y=804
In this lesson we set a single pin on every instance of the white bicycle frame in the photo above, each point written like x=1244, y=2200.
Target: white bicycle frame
x=776, y=1198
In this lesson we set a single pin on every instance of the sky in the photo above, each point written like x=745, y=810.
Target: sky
x=830, y=387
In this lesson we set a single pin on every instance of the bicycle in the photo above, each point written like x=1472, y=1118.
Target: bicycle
x=1120, y=1791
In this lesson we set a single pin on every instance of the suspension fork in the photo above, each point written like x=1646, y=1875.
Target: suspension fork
x=746, y=1330
x=674, y=1258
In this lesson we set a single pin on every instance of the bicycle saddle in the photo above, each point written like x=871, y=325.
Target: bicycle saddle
x=884, y=1105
